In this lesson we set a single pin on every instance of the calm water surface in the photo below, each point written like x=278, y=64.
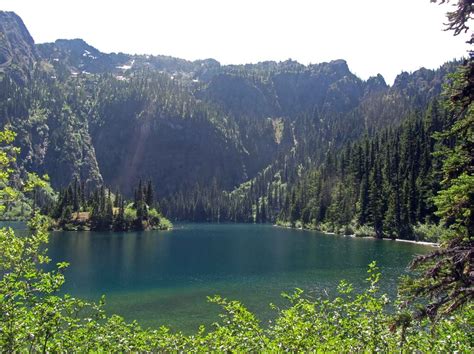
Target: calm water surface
x=161, y=277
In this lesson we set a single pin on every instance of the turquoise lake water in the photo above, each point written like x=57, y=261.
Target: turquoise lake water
x=163, y=278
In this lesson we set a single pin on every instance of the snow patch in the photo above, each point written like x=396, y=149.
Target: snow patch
x=88, y=54
x=126, y=67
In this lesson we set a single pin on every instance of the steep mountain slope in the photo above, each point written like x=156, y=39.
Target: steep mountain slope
x=193, y=128
x=154, y=128
x=317, y=133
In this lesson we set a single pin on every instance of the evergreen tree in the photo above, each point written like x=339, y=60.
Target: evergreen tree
x=119, y=222
x=364, y=200
x=375, y=202
x=150, y=194
x=263, y=212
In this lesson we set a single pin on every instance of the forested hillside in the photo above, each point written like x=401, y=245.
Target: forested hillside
x=320, y=139
x=249, y=143
x=386, y=181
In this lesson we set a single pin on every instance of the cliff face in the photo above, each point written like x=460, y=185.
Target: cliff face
x=17, y=49
x=53, y=138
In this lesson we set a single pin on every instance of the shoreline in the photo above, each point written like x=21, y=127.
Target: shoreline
x=56, y=229
x=423, y=243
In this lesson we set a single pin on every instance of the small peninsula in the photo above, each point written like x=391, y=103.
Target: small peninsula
x=102, y=210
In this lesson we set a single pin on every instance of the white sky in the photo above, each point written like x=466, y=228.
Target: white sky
x=374, y=36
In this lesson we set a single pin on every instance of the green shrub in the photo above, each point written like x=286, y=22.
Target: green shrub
x=346, y=230
x=364, y=231
x=429, y=232
x=326, y=227
x=153, y=214
x=130, y=214
x=165, y=224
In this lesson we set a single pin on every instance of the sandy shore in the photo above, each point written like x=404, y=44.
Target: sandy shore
x=424, y=243
x=432, y=244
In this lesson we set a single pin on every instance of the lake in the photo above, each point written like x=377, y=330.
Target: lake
x=164, y=277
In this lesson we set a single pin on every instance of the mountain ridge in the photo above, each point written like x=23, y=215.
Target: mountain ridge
x=43, y=51
x=187, y=125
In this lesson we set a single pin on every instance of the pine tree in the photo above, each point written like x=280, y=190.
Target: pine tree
x=150, y=194
x=363, y=216
x=295, y=210
x=109, y=213
x=76, y=201
x=263, y=211
x=375, y=200
x=257, y=212
x=119, y=221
